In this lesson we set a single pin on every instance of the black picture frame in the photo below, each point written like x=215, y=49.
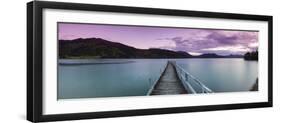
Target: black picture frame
x=35, y=69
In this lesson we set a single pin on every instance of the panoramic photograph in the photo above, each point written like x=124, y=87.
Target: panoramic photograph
x=105, y=60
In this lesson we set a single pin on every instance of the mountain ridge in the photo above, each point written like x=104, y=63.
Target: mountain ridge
x=101, y=48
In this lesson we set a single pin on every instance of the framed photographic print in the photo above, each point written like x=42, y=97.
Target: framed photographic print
x=95, y=61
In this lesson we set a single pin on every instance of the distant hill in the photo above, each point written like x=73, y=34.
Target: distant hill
x=95, y=47
x=213, y=55
x=100, y=48
x=209, y=55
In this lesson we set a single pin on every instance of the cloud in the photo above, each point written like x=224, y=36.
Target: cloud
x=214, y=41
x=222, y=38
x=194, y=53
x=232, y=49
x=253, y=45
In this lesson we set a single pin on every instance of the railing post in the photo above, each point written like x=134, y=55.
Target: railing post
x=186, y=77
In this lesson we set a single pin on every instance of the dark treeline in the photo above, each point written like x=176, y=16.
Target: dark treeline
x=251, y=55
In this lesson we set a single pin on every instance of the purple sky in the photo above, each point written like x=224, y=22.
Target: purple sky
x=194, y=41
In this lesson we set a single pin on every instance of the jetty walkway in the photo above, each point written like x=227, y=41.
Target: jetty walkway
x=175, y=80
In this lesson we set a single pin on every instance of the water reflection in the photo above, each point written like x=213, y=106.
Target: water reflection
x=133, y=77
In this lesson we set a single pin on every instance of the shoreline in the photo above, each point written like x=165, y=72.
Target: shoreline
x=94, y=62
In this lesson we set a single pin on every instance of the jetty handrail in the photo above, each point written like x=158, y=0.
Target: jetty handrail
x=151, y=88
x=184, y=76
x=154, y=83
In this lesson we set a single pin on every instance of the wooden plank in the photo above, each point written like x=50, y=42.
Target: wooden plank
x=169, y=83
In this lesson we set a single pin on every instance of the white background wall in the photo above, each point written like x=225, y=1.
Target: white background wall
x=13, y=61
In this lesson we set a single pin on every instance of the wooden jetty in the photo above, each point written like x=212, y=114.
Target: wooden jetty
x=176, y=80
x=168, y=83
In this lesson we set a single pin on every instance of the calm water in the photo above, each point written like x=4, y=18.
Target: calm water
x=134, y=77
